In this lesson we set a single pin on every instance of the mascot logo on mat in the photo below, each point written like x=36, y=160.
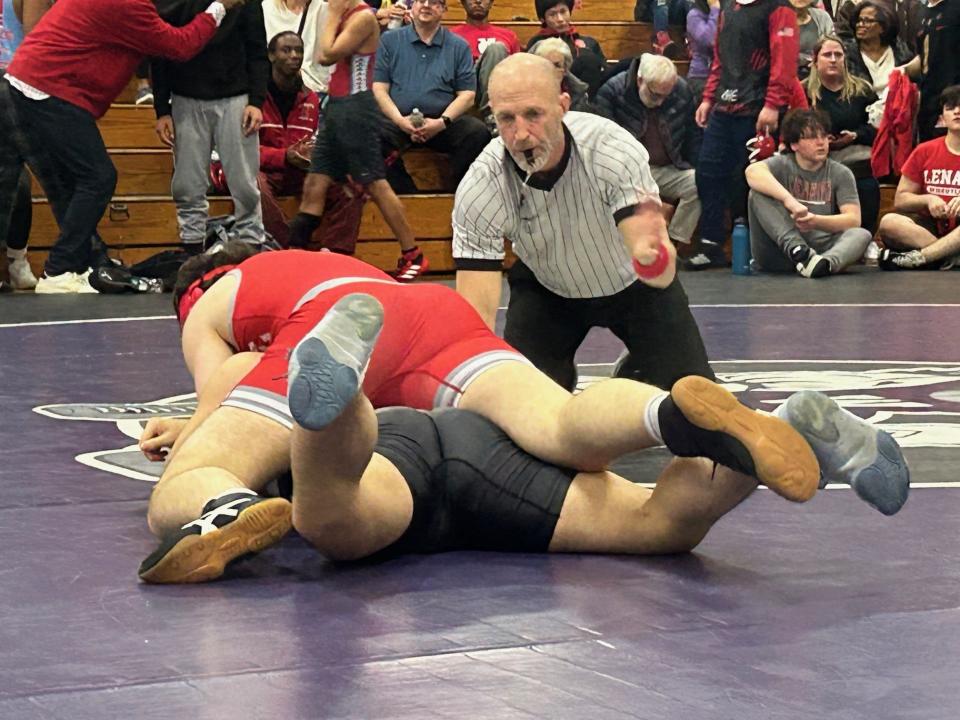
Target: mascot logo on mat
x=917, y=403
x=130, y=419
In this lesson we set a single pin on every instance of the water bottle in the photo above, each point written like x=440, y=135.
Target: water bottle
x=741, y=248
x=396, y=22
x=416, y=118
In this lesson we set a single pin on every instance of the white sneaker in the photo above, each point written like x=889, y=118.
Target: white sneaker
x=65, y=283
x=872, y=254
x=21, y=276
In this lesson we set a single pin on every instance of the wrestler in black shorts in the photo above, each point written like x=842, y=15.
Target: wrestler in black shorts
x=472, y=487
x=348, y=141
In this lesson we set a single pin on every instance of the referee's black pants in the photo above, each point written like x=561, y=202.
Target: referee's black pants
x=662, y=338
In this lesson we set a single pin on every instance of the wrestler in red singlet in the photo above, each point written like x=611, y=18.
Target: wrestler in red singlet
x=433, y=343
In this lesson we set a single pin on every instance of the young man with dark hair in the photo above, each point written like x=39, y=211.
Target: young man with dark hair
x=804, y=209
x=489, y=44
x=924, y=232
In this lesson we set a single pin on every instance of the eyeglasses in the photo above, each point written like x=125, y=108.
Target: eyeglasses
x=867, y=21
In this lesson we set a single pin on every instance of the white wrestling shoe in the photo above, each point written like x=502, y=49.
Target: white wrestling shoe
x=851, y=450
x=326, y=367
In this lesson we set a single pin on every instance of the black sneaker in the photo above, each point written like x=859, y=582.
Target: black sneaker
x=893, y=260
x=799, y=254
x=816, y=266
x=231, y=525
x=709, y=256
x=756, y=444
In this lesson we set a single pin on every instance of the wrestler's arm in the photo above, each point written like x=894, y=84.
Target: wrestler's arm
x=171, y=432
x=204, y=349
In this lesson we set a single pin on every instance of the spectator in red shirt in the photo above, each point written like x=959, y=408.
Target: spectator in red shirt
x=63, y=77
x=489, y=44
x=924, y=232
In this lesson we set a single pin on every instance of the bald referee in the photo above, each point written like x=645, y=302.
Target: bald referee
x=574, y=194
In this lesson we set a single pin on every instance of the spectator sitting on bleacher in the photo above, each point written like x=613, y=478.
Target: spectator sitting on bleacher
x=813, y=23
x=804, y=211
x=303, y=17
x=906, y=14
x=62, y=78
x=877, y=47
x=701, y=37
x=845, y=99
x=589, y=61
x=424, y=66
x=924, y=232
x=213, y=102
x=656, y=107
x=290, y=118
x=558, y=54
x=489, y=44
x=663, y=13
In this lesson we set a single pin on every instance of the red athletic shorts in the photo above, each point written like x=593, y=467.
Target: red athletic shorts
x=432, y=346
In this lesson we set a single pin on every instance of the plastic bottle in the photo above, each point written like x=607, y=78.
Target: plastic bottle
x=741, y=248
x=396, y=23
x=416, y=118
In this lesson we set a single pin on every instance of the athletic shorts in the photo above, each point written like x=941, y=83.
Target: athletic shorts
x=432, y=346
x=472, y=487
x=937, y=228
x=349, y=140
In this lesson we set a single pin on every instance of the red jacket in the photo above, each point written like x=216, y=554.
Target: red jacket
x=894, y=140
x=277, y=133
x=85, y=51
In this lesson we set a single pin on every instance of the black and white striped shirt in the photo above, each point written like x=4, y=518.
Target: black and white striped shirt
x=566, y=235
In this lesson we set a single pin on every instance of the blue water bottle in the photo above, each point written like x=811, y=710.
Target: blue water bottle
x=741, y=248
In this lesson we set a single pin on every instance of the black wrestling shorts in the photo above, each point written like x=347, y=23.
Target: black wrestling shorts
x=472, y=487
x=349, y=140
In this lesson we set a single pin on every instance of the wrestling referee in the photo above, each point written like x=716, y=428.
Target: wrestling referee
x=574, y=195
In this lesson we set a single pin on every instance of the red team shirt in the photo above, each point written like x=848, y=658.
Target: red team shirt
x=433, y=343
x=937, y=170
x=478, y=38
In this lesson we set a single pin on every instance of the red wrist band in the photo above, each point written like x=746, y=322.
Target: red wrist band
x=647, y=272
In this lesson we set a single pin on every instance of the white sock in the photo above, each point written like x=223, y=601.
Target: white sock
x=651, y=416
x=14, y=255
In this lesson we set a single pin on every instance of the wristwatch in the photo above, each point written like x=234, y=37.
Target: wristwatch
x=447, y=122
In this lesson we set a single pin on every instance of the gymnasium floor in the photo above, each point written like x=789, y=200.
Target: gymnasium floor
x=825, y=610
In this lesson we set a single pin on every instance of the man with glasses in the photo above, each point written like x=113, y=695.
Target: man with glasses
x=426, y=67
x=656, y=107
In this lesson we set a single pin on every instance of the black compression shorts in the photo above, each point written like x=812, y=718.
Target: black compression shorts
x=472, y=487
x=349, y=140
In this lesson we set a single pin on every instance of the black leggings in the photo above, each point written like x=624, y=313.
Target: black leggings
x=21, y=216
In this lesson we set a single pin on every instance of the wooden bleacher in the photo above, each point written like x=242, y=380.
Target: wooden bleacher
x=141, y=219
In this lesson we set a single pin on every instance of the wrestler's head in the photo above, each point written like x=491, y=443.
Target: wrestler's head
x=200, y=272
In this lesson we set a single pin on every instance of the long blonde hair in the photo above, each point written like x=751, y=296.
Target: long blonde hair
x=852, y=85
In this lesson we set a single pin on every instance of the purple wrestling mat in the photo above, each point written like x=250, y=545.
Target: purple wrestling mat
x=825, y=610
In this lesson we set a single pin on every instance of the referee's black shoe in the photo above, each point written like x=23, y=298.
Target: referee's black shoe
x=715, y=425
x=232, y=525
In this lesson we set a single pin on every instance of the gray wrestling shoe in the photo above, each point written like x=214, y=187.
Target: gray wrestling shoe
x=326, y=367
x=851, y=451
